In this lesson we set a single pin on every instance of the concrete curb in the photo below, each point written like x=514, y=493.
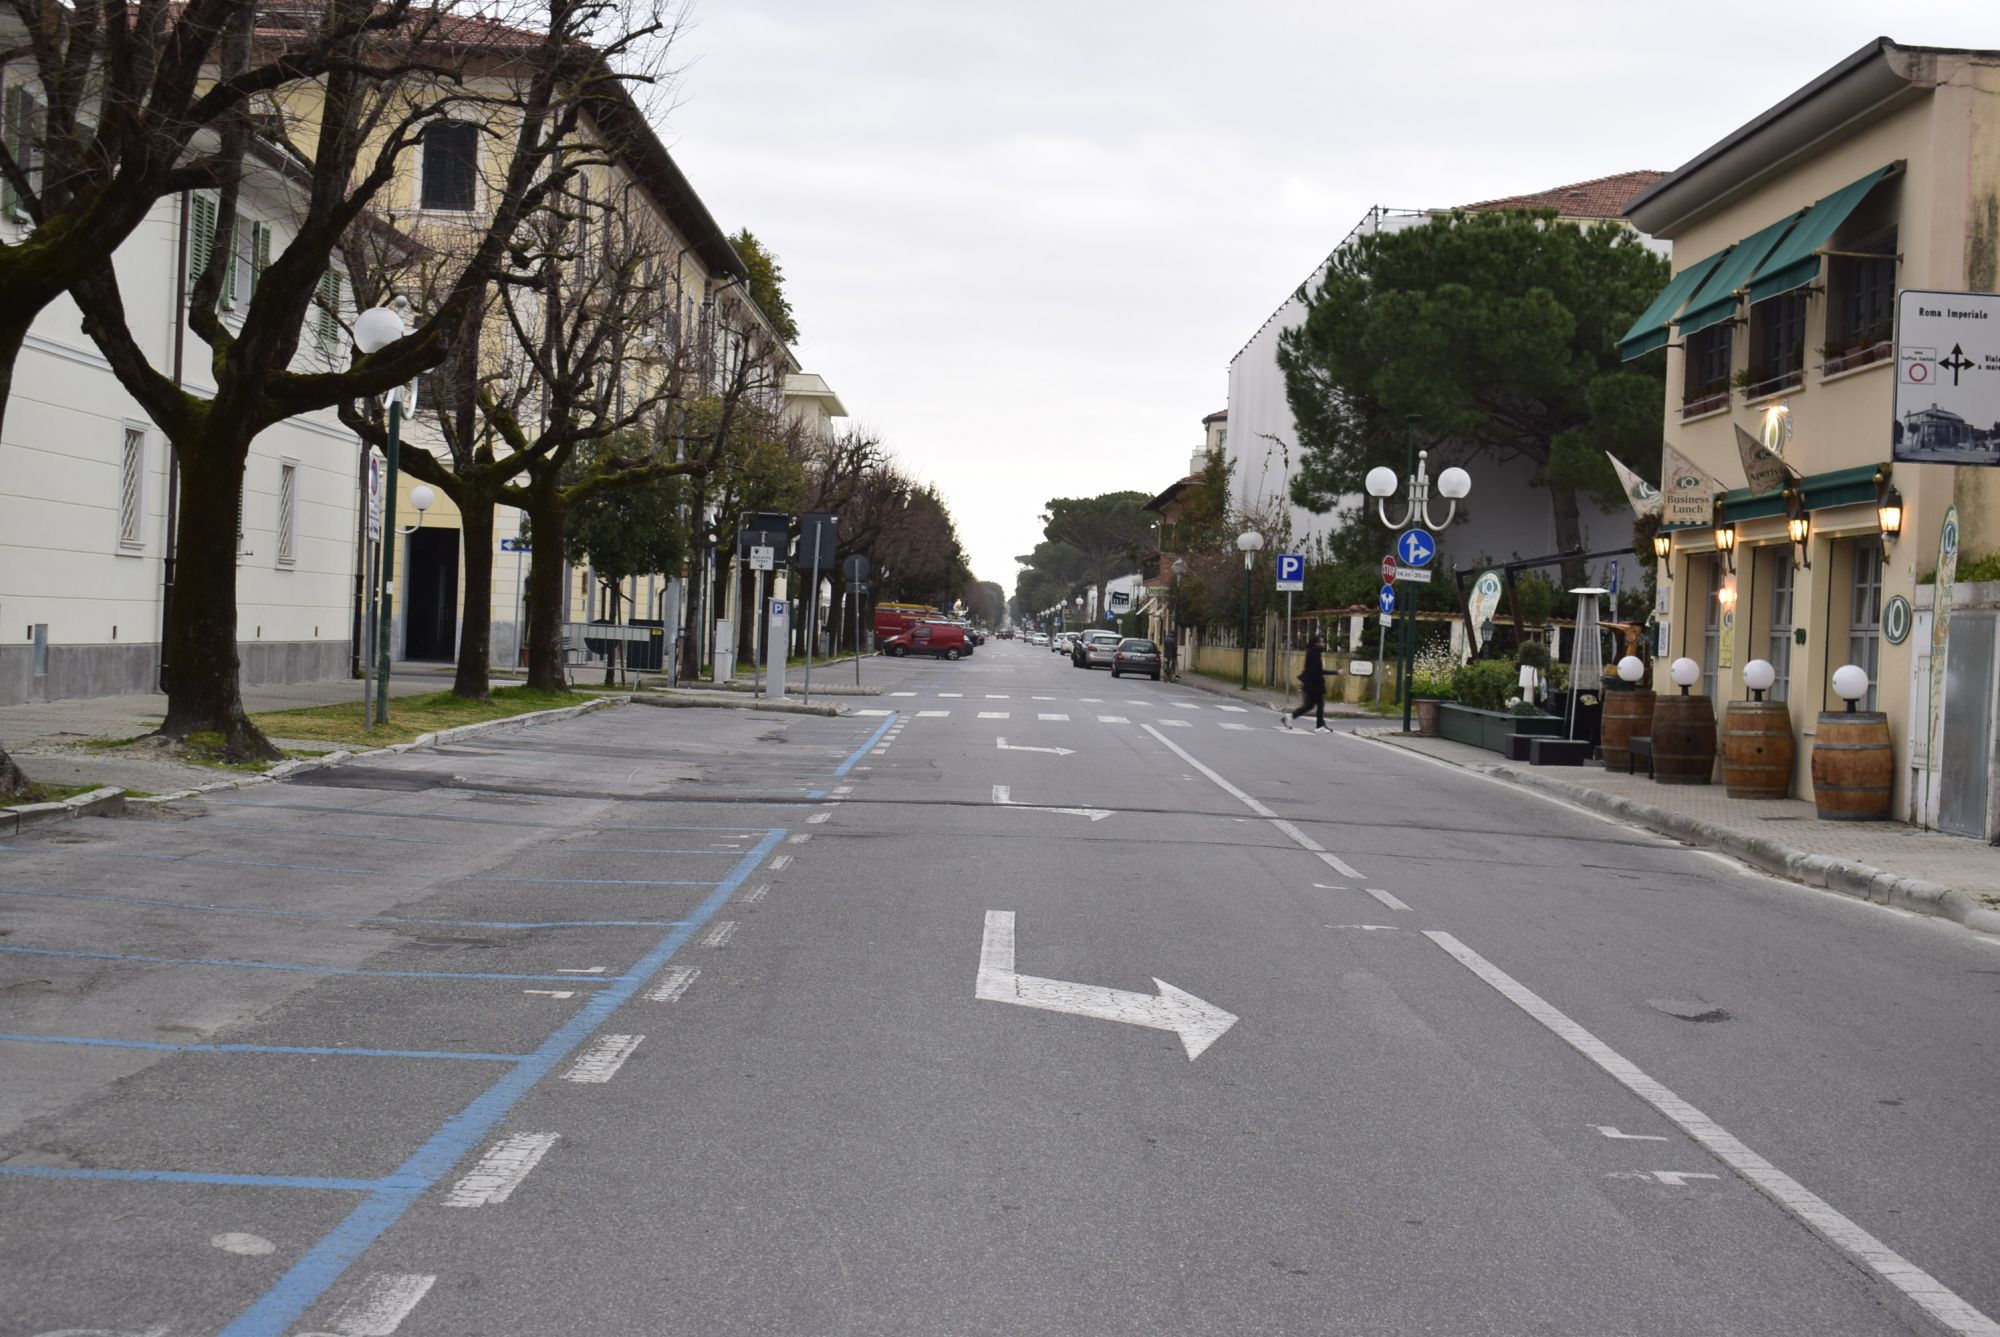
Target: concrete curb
x=744, y=689
x=286, y=769
x=1860, y=880
x=1340, y=709
x=106, y=802
x=732, y=701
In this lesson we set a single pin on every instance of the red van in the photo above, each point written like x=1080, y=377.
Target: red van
x=943, y=640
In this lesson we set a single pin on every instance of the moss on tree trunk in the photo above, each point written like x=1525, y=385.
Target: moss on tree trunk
x=475, y=641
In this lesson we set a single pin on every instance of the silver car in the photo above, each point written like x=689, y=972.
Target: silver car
x=1094, y=649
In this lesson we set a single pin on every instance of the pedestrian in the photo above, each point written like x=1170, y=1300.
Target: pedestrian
x=1172, y=652
x=1312, y=683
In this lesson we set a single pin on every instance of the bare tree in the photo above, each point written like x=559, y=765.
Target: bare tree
x=527, y=91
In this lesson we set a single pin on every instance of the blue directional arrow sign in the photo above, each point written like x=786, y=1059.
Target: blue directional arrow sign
x=1388, y=598
x=1416, y=547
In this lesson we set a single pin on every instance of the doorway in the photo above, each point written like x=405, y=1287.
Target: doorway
x=431, y=616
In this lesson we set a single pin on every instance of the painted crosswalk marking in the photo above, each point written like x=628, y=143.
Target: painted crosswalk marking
x=1112, y=719
x=673, y=984
x=1064, y=719
x=601, y=1062
x=1244, y=727
x=379, y=1305
x=932, y=714
x=876, y=713
x=1177, y=724
x=994, y=715
x=501, y=1170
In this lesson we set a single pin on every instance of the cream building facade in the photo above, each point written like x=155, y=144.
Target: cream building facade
x=1791, y=240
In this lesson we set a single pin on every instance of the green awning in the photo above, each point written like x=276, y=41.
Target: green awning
x=1649, y=331
x=1796, y=260
x=1715, y=302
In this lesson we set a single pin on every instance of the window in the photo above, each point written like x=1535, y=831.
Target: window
x=132, y=490
x=250, y=250
x=1864, y=615
x=1706, y=379
x=1778, y=647
x=288, y=512
x=21, y=124
x=1777, y=343
x=326, y=314
x=1711, y=629
x=451, y=165
x=1861, y=301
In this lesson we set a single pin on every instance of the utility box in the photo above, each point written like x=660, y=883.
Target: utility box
x=725, y=649
x=777, y=636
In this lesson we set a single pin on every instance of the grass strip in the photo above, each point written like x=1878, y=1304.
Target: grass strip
x=410, y=717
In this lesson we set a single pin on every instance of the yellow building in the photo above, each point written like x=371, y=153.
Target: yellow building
x=1792, y=239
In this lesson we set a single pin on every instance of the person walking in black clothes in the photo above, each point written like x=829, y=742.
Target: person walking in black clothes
x=1313, y=682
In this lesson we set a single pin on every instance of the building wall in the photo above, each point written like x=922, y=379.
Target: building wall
x=1951, y=154
x=63, y=566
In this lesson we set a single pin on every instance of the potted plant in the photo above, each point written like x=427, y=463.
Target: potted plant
x=1430, y=683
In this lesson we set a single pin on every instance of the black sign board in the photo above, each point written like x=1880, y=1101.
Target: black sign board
x=855, y=569
x=819, y=540
x=763, y=529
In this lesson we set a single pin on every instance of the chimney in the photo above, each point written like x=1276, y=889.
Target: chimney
x=1198, y=462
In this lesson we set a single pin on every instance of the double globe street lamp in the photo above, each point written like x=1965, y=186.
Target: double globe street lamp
x=1453, y=485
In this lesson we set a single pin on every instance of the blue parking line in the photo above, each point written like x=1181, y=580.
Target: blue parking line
x=191, y=1177
x=862, y=751
x=304, y=970
x=817, y=793
x=97, y=1042
x=308, y=1279
x=273, y=912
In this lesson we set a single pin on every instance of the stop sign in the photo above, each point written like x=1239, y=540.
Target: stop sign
x=1388, y=570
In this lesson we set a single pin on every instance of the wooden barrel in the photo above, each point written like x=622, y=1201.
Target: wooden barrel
x=1627, y=712
x=1852, y=766
x=1683, y=739
x=1757, y=749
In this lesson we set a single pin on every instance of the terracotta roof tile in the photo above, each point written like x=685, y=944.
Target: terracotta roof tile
x=1602, y=197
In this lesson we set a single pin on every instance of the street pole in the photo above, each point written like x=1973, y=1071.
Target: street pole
x=1288, y=647
x=388, y=559
x=1247, y=559
x=812, y=615
x=1406, y=662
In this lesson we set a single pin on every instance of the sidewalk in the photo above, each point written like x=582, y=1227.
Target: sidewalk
x=1268, y=696
x=1890, y=863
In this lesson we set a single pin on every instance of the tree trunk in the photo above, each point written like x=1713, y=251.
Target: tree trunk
x=545, y=597
x=12, y=782
x=204, y=688
x=1569, y=532
x=475, y=634
x=611, y=593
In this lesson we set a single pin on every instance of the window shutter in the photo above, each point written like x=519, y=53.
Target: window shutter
x=260, y=255
x=131, y=487
x=288, y=513
x=14, y=129
x=329, y=313
x=235, y=250
x=201, y=242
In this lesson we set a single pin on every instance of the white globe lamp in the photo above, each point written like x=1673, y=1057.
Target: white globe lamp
x=422, y=498
x=1454, y=484
x=376, y=328
x=1685, y=673
x=1631, y=668
x=1758, y=675
x=1850, y=683
x=1381, y=482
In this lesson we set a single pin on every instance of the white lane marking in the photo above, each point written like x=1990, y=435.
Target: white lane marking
x=948, y=696
x=1004, y=796
x=1608, y=1131
x=720, y=935
x=501, y=1170
x=902, y=694
x=1091, y=700
x=994, y=715
x=1112, y=719
x=1003, y=745
x=782, y=862
x=843, y=789
x=1819, y=1216
x=601, y=1062
x=1386, y=898
x=552, y=993
x=818, y=817
x=1197, y=1022
x=1367, y=928
x=1240, y=710
x=1132, y=701
x=1060, y=719
x=993, y=696
x=243, y=1243
x=579, y=970
x=933, y=714
x=673, y=985
x=1001, y=794
x=1044, y=698
x=1336, y=863
x=381, y=1303
x=755, y=894
x=875, y=713
x=1177, y=724
x=799, y=839
x=1244, y=727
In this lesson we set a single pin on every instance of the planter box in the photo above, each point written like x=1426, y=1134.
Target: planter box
x=1489, y=728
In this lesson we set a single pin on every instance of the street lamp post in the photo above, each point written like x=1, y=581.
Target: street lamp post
x=374, y=330
x=1453, y=484
x=1249, y=543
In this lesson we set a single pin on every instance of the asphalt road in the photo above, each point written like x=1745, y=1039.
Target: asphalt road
x=704, y=1022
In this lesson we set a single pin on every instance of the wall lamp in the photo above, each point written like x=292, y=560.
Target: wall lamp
x=1888, y=505
x=1663, y=548
x=1798, y=528
x=1725, y=543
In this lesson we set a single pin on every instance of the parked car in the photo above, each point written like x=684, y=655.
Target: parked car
x=1135, y=654
x=941, y=640
x=1060, y=642
x=1094, y=649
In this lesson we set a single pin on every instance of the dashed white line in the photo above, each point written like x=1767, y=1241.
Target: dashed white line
x=1386, y=898
x=799, y=839
x=948, y=696
x=818, y=817
x=1927, y=1292
x=994, y=715
x=902, y=694
x=381, y=1303
x=1303, y=840
x=1112, y=719
x=1244, y=727
x=673, y=985
x=875, y=713
x=720, y=935
x=1240, y=710
x=552, y=993
x=1060, y=719
x=780, y=863
x=501, y=1170
x=601, y=1062
x=1177, y=724
x=933, y=714
x=579, y=970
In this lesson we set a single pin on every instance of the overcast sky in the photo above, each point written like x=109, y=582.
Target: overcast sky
x=1023, y=240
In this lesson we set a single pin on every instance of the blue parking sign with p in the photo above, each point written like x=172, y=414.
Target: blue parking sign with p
x=1291, y=573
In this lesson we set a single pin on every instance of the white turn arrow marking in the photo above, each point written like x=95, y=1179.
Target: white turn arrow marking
x=1006, y=746
x=1003, y=796
x=1199, y=1024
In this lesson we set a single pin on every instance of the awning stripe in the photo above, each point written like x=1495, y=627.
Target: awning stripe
x=1649, y=331
x=1796, y=259
x=1716, y=301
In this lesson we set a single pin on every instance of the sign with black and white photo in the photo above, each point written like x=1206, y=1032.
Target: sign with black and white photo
x=1947, y=378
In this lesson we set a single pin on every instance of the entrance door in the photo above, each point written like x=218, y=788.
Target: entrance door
x=431, y=626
